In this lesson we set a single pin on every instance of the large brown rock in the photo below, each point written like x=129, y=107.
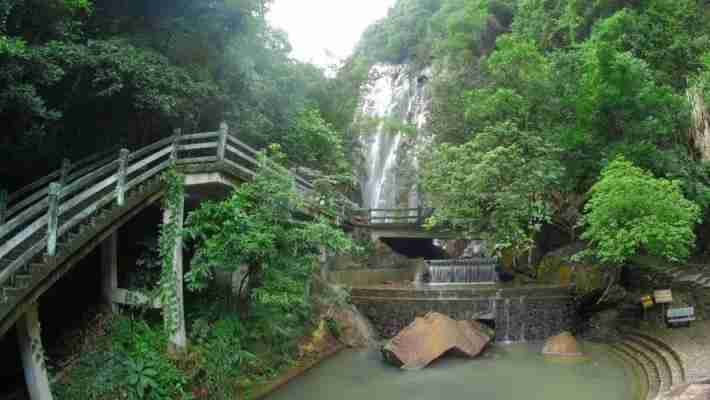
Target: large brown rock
x=564, y=344
x=428, y=338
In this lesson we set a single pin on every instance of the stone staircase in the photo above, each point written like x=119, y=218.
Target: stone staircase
x=41, y=265
x=657, y=366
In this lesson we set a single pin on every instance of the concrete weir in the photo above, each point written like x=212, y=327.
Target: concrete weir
x=519, y=313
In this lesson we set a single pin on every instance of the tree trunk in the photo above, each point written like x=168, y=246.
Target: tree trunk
x=253, y=281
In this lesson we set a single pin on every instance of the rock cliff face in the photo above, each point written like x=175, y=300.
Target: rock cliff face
x=391, y=127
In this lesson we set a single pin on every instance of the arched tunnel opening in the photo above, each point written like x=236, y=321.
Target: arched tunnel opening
x=416, y=248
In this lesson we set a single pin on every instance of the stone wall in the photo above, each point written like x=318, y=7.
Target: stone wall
x=381, y=265
x=528, y=316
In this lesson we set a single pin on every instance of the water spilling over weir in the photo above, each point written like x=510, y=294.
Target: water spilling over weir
x=479, y=270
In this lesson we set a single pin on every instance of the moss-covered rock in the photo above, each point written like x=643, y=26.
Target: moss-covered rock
x=558, y=268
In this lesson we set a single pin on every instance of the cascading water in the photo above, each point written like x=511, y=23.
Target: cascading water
x=480, y=270
x=392, y=125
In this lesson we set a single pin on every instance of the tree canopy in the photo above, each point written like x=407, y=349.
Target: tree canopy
x=591, y=81
x=631, y=212
x=80, y=76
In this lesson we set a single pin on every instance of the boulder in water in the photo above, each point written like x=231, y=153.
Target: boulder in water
x=428, y=338
x=564, y=344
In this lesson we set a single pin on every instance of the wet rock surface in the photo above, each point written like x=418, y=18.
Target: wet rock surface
x=432, y=336
x=564, y=344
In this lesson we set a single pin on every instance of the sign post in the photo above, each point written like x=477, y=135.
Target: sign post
x=663, y=297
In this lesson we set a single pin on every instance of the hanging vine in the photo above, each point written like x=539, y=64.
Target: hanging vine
x=170, y=232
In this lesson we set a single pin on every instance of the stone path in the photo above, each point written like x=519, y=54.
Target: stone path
x=692, y=345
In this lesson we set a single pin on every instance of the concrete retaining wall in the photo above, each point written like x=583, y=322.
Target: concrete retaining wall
x=528, y=315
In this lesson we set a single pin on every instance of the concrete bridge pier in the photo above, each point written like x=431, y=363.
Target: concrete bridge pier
x=178, y=339
x=109, y=271
x=30, y=341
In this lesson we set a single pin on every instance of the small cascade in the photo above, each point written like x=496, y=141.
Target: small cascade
x=475, y=270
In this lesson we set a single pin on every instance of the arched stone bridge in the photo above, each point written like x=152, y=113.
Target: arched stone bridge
x=47, y=227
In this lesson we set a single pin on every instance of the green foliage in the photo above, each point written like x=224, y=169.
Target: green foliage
x=225, y=358
x=131, y=365
x=702, y=79
x=170, y=233
x=591, y=80
x=78, y=76
x=313, y=142
x=257, y=226
x=461, y=25
x=497, y=185
x=631, y=212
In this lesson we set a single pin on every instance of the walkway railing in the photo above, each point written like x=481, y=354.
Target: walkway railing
x=394, y=216
x=39, y=216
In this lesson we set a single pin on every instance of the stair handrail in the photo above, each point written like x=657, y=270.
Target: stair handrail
x=110, y=178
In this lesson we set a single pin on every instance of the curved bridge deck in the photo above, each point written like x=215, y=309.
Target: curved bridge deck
x=48, y=226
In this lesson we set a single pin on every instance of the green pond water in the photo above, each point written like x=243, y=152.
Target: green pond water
x=510, y=372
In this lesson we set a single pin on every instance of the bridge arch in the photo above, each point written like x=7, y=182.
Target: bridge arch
x=47, y=227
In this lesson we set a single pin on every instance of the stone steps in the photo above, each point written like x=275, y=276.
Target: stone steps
x=659, y=364
x=645, y=365
x=637, y=370
x=31, y=273
x=656, y=362
x=670, y=357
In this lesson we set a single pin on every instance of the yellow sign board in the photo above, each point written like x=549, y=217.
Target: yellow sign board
x=646, y=302
x=663, y=296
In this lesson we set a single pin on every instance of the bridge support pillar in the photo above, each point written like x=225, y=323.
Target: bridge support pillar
x=109, y=270
x=178, y=338
x=30, y=341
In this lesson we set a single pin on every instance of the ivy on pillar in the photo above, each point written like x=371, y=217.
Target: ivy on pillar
x=174, y=308
x=30, y=342
x=109, y=270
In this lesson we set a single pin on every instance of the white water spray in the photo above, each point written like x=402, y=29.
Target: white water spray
x=396, y=100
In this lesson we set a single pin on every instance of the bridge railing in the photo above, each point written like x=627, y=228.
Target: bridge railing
x=394, y=216
x=40, y=215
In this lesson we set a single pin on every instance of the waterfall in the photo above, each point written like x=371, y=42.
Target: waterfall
x=391, y=124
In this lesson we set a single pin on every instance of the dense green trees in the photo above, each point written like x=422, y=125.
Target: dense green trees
x=256, y=227
x=77, y=76
x=589, y=81
x=630, y=212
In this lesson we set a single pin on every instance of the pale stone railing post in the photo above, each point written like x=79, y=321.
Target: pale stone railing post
x=222, y=144
x=66, y=167
x=53, y=218
x=177, y=133
x=3, y=206
x=121, y=181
